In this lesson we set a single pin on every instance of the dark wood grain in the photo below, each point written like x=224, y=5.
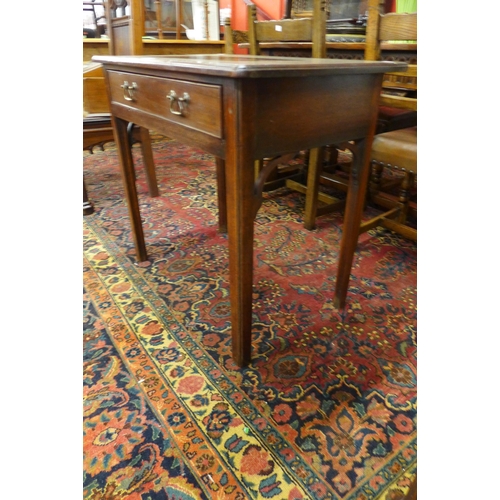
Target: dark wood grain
x=266, y=105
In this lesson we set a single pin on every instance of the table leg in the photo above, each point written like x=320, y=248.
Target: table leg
x=241, y=213
x=220, y=166
x=242, y=201
x=149, y=163
x=128, y=176
x=358, y=181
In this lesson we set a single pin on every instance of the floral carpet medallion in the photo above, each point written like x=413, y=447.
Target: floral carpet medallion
x=326, y=409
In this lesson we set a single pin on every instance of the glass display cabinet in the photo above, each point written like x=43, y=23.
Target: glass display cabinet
x=197, y=19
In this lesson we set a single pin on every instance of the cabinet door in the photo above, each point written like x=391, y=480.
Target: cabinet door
x=166, y=11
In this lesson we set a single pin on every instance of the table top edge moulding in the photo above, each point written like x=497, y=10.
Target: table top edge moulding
x=240, y=108
x=244, y=66
x=333, y=45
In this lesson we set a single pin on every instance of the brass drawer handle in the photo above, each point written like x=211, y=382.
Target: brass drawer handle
x=181, y=102
x=128, y=90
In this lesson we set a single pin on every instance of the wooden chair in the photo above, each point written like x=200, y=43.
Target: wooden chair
x=125, y=38
x=310, y=29
x=397, y=103
x=279, y=171
x=232, y=37
x=391, y=117
x=125, y=31
x=397, y=150
x=394, y=149
x=282, y=170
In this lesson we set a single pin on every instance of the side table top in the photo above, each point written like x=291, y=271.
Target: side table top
x=245, y=66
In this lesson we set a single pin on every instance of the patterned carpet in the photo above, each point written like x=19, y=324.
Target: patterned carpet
x=327, y=408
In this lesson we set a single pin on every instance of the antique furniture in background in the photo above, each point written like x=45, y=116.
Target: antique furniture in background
x=167, y=16
x=167, y=19
x=96, y=16
x=392, y=116
x=394, y=148
x=100, y=46
x=125, y=30
x=349, y=45
x=338, y=9
x=311, y=29
x=397, y=147
x=242, y=108
x=147, y=45
x=346, y=21
x=125, y=34
x=279, y=170
x=233, y=37
x=403, y=30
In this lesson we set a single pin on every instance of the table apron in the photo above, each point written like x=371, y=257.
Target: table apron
x=287, y=114
x=311, y=112
x=185, y=135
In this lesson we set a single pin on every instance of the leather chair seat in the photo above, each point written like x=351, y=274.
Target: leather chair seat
x=397, y=148
x=395, y=118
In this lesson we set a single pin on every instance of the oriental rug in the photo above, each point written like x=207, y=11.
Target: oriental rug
x=326, y=409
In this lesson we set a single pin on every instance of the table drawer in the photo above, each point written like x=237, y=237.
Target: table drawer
x=194, y=105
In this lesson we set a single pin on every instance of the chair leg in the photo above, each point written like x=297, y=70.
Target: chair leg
x=404, y=195
x=397, y=207
x=149, y=165
x=313, y=174
x=88, y=208
x=331, y=156
x=375, y=179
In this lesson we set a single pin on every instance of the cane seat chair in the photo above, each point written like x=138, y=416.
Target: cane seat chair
x=125, y=38
x=232, y=36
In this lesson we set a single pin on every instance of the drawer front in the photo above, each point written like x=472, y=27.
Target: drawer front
x=197, y=106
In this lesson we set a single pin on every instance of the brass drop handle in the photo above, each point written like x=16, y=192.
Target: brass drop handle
x=181, y=102
x=128, y=90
